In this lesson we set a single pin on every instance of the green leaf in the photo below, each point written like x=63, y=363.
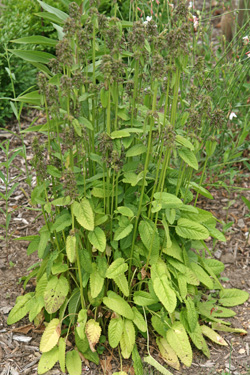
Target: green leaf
x=125, y=211
x=119, y=134
x=97, y=238
x=123, y=232
x=118, y=304
x=213, y=336
x=33, y=56
x=150, y=238
x=58, y=13
x=36, y=307
x=144, y=298
x=191, y=230
x=216, y=266
x=73, y=363
x=115, y=330
x=159, y=325
x=178, y=340
x=127, y=341
x=122, y=283
x=174, y=251
x=20, y=309
x=84, y=214
x=137, y=362
x=168, y=200
x=71, y=248
x=62, y=222
x=81, y=322
x=96, y=282
x=61, y=354
x=86, y=123
x=167, y=353
x=202, y=275
x=55, y=293
x=48, y=360
x=62, y=201
x=201, y=190
x=233, y=297
x=215, y=233
x=223, y=328
x=139, y=320
x=50, y=336
x=136, y=150
x=151, y=361
x=246, y=201
x=36, y=39
x=33, y=98
x=165, y=293
x=189, y=157
x=184, y=142
x=192, y=315
x=116, y=268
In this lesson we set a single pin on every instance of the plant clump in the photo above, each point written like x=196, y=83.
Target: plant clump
x=122, y=250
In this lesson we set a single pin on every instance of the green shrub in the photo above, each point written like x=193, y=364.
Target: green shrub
x=18, y=19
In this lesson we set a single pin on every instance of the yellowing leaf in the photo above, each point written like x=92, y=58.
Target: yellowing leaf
x=73, y=363
x=178, y=340
x=165, y=293
x=168, y=354
x=151, y=361
x=71, y=248
x=55, y=293
x=115, y=330
x=84, y=214
x=51, y=335
x=48, y=360
x=213, y=336
x=127, y=339
x=93, y=332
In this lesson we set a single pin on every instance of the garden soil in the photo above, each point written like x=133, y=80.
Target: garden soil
x=19, y=344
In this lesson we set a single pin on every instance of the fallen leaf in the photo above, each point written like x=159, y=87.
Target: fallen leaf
x=242, y=351
x=24, y=329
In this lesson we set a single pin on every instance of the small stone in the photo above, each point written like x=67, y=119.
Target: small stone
x=218, y=253
x=227, y=258
x=241, y=223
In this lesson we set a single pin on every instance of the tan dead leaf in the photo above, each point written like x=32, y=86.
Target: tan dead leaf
x=24, y=329
x=106, y=365
x=242, y=351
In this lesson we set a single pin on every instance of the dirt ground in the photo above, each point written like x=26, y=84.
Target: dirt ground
x=19, y=344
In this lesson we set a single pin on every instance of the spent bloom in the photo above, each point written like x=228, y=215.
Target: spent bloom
x=148, y=19
x=232, y=115
x=195, y=22
x=245, y=40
